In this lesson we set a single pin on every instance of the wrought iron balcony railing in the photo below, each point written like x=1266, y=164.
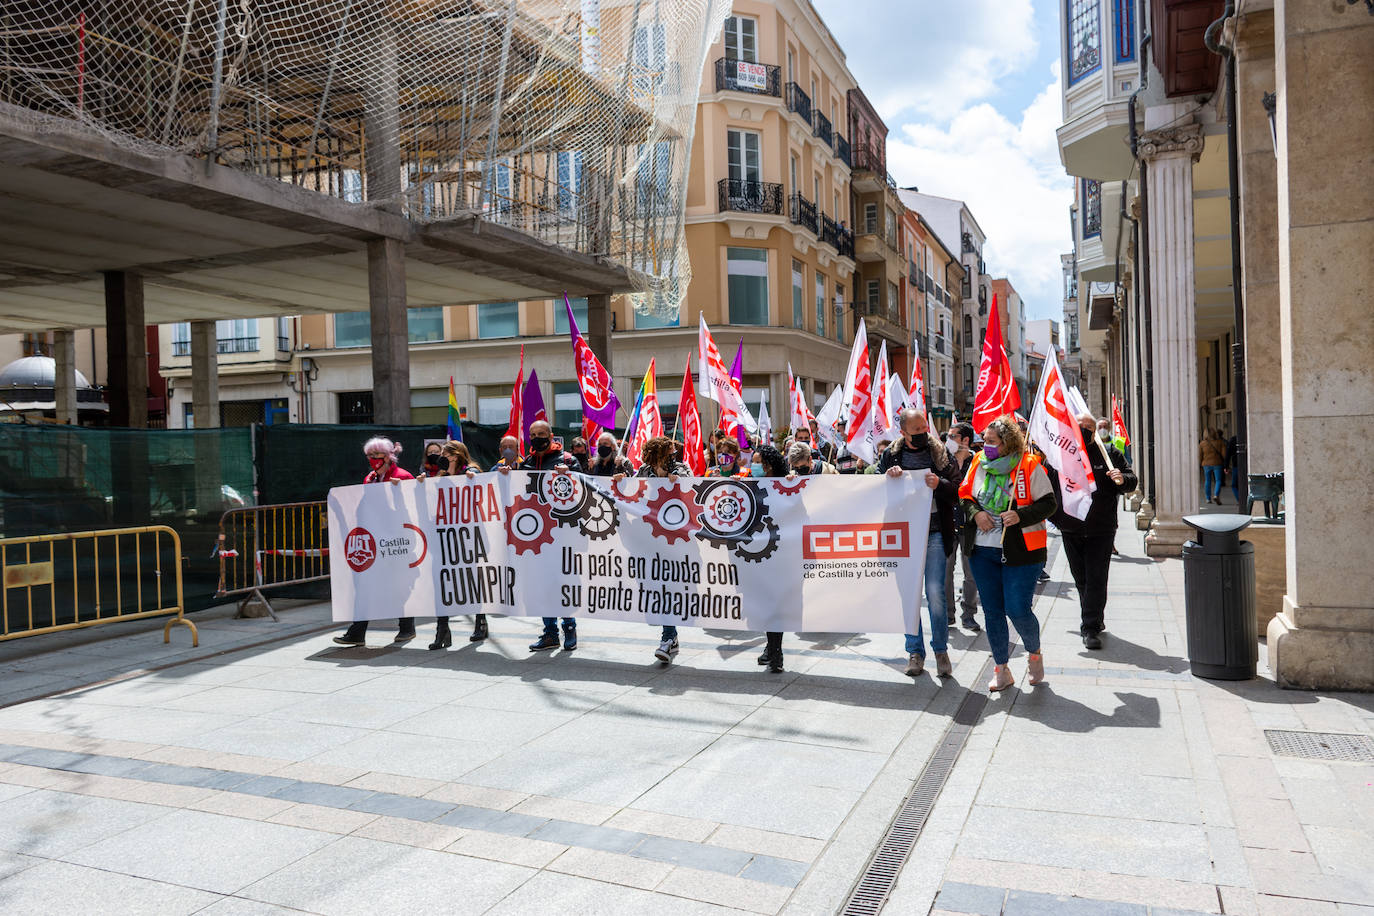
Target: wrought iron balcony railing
x=867, y=159
x=842, y=150
x=913, y=274
x=822, y=129
x=803, y=213
x=742, y=76
x=798, y=101
x=749, y=196
x=941, y=346
x=837, y=237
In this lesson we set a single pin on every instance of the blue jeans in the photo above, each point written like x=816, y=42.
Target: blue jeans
x=1006, y=591
x=1212, y=487
x=669, y=633
x=551, y=625
x=936, y=607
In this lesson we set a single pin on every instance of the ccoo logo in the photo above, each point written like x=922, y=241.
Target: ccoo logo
x=360, y=549
x=852, y=542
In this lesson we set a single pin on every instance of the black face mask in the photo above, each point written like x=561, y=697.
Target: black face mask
x=540, y=443
x=803, y=470
x=434, y=459
x=604, y=451
x=917, y=441
x=581, y=456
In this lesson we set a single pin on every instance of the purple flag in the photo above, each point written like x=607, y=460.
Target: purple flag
x=599, y=403
x=532, y=404
x=737, y=373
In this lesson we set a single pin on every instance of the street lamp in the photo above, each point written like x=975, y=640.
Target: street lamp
x=1271, y=106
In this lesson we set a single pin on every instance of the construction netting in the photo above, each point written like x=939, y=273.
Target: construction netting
x=569, y=120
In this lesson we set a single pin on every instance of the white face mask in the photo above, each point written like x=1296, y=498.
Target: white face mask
x=952, y=445
x=1105, y=435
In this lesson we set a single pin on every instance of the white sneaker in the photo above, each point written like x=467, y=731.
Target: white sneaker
x=666, y=650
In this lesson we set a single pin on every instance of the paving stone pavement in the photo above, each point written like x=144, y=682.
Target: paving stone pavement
x=269, y=771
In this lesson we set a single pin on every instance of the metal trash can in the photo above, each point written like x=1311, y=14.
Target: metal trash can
x=1219, y=595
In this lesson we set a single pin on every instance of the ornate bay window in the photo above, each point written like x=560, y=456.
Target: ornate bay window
x=1085, y=38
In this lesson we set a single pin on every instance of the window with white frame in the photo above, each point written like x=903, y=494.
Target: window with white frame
x=741, y=38
x=798, y=306
x=742, y=147
x=820, y=304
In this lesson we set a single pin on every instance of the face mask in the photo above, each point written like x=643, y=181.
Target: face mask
x=756, y=468
x=377, y=463
x=604, y=451
x=433, y=459
x=1105, y=435
x=802, y=469
x=917, y=441
x=540, y=443
x=508, y=454
x=951, y=445
x=725, y=460
x=990, y=452
x=804, y=440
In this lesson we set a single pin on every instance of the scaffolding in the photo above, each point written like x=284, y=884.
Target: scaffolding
x=568, y=120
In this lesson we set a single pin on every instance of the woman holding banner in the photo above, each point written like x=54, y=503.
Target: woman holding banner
x=455, y=461
x=660, y=460
x=773, y=465
x=1008, y=496
x=381, y=454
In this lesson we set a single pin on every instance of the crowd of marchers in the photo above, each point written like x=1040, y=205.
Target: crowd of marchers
x=994, y=499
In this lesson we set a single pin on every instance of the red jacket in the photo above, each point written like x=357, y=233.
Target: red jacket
x=394, y=472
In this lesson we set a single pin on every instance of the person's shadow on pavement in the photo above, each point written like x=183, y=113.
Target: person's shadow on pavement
x=1062, y=714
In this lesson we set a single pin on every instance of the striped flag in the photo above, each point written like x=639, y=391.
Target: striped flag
x=647, y=422
x=455, y=420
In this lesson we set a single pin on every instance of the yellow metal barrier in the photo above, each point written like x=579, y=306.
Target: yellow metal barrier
x=68, y=580
x=262, y=547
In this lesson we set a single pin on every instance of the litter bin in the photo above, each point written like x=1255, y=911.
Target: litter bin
x=1219, y=594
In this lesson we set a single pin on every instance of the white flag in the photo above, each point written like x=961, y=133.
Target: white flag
x=829, y=416
x=858, y=387
x=765, y=422
x=796, y=403
x=1054, y=429
x=897, y=399
x=882, y=398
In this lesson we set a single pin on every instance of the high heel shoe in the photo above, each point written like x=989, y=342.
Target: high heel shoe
x=443, y=637
x=479, y=628
x=1001, y=679
x=1035, y=669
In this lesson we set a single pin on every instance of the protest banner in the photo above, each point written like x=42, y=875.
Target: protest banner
x=825, y=553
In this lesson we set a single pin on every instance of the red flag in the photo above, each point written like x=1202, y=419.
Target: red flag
x=689, y=420
x=1118, y=424
x=591, y=431
x=997, y=392
x=516, y=427
x=858, y=388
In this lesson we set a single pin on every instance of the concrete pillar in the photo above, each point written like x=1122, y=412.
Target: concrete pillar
x=381, y=121
x=64, y=381
x=1169, y=154
x=204, y=374
x=126, y=349
x=386, y=286
x=599, y=328
x=1324, y=635
x=1259, y=242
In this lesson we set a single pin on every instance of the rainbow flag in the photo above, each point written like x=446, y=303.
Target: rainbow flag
x=646, y=422
x=455, y=421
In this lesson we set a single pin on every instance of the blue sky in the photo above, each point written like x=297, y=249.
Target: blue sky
x=970, y=93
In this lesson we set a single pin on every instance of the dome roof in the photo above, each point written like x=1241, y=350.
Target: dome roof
x=35, y=372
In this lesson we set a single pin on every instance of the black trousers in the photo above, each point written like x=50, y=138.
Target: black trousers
x=358, y=628
x=1090, y=558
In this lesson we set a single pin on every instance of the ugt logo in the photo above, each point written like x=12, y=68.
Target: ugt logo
x=360, y=549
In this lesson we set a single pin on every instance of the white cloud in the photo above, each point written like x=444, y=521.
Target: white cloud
x=1010, y=176
x=931, y=58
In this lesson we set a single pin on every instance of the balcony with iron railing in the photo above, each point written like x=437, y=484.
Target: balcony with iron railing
x=867, y=159
x=743, y=76
x=798, y=101
x=749, y=196
x=822, y=128
x=803, y=213
x=837, y=237
x=941, y=345
x=982, y=298
x=226, y=345
x=913, y=274
x=842, y=150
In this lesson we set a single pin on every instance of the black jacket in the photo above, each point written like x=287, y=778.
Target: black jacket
x=551, y=460
x=1103, y=511
x=946, y=499
x=609, y=467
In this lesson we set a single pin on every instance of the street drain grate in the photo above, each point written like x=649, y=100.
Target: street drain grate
x=1321, y=745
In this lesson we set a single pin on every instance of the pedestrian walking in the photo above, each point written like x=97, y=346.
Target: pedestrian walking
x=455, y=461
x=660, y=460
x=1088, y=542
x=1212, y=452
x=959, y=444
x=771, y=463
x=382, y=455
x=1233, y=466
x=923, y=454
x=1008, y=497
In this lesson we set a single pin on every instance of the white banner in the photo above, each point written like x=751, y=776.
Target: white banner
x=839, y=554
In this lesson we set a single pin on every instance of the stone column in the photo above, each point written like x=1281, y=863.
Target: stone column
x=598, y=327
x=204, y=374
x=386, y=286
x=64, y=380
x=1324, y=635
x=126, y=349
x=1169, y=154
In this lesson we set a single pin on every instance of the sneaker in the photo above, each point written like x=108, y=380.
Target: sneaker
x=569, y=638
x=1035, y=669
x=1001, y=678
x=666, y=650
x=545, y=642
x=1044, y=576
x=971, y=624
x=346, y=640
x=765, y=657
x=915, y=664
x=943, y=668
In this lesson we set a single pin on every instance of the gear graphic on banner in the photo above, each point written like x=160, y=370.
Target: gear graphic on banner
x=673, y=514
x=783, y=488
x=529, y=525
